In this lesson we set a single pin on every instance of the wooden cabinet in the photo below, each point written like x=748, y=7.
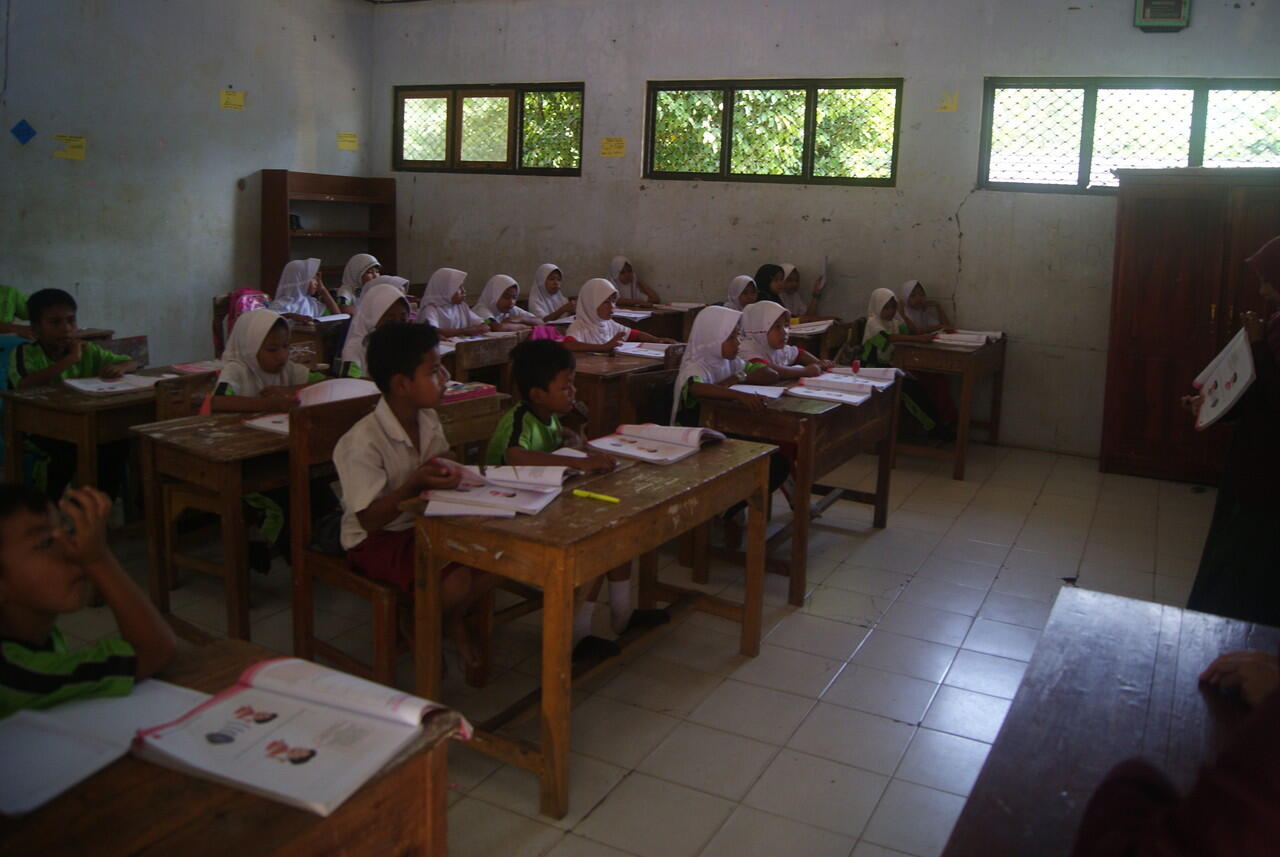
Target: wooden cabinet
x=337, y=217
x=1179, y=286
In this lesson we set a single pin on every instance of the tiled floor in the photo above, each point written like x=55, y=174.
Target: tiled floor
x=862, y=725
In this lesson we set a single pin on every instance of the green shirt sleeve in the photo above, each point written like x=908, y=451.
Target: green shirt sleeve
x=13, y=304
x=93, y=359
x=40, y=678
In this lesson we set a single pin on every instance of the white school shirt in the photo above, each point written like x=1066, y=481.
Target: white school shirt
x=449, y=316
x=376, y=457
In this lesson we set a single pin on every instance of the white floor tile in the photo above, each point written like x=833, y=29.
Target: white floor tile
x=1037, y=587
x=479, y=829
x=818, y=636
x=789, y=670
x=615, y=732
x=819, y=792
x=905, y=655
x=751, y=831
x=926, y=623
x=655, y=818
x=971, y=574
x=660, y=685
x=877, y=692
x=987, y=674
x=516, y=789
x=944, y=596
x=970, y=550
x=967, y=714
x=755, y=712
x=577, y=846
x=1002, y=639
x=943, y=761
x=868, y=581
x=700, y=648
x=709, y=760
x=914, y=818
x=843, y=605
x=853, y=738
x=1003, y=607
x=868, y=849
x=1041, y=562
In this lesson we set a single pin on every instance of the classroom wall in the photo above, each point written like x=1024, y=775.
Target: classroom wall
x=153, y=221
x=1035, y=265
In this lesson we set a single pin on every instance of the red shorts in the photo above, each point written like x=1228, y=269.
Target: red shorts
x=387, y=555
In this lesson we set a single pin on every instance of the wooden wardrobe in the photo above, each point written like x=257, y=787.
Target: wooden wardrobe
x=1180, y=284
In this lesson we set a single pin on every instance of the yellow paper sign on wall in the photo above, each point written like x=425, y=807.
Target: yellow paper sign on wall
x=950, y=102
x=613, y=147
x=72, y=147
x=231, y=99
x=348, y=142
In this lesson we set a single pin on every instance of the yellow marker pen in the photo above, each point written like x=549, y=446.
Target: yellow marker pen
x=591, y=495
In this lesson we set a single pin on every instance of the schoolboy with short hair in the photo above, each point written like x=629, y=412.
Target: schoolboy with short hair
x=48, y=565
x=56, y=355
x=390, y=456
x=529, y=434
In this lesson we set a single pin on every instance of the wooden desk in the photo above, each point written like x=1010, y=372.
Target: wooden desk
x=61, y=413
x=133, y=807
x=93, y=334
x=825, y=436
x=225, y=457
x=668, y=323
x=599, y=379
x=320, y=336
x=572, y=542
x=971, y=365
x=472, y=354
x=1112, y=678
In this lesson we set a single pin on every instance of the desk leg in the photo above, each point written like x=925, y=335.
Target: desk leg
x=557, y=641
x=435, y=834
x=753, y=597
x=87, y=451
x=428, y=618
x=805, y=453
x=887, y=449
x=12, y=443
x=997, y=391
x=235, y=553
x=158, y=574
x=962, y=430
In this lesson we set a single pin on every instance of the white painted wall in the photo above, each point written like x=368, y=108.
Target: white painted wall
x=151, y=224
x=1035, y=265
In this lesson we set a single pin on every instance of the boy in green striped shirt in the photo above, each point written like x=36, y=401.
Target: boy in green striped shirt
x=48, y=563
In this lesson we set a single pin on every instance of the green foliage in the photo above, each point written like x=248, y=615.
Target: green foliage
x=425, y=129
x=552, y=130
x=768, y=132
x=484, y=127
x=853, y=133
x=686, y=134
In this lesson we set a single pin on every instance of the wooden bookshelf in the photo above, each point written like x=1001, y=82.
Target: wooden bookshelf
x=340, y=216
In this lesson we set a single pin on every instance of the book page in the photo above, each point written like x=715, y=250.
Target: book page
x=536, y=477
x=307, y=680
x=760, y=390
x=828, y=395
x=526, y=501
x=678, y=435
x=1225, y=380
x=285, y=747
x=642, y=448
x=123, y=384
x=335, y=390
x=437, y=508
x=341, y=316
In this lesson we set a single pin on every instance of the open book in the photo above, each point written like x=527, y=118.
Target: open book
x=47, y=752
x=806, y=391
x=680, y=305
x=974, y=338
x=1225, y=379
x=340, y=316
x=838, y=383
x=654, y=443
x=458, y=391
x=811, y=327
x=760, y=390
x=657, y=350
x=109, y=387
x=879, y=378
x=631, y=314
x=293, y=731
x=499, y=491
x=333, y=390
x=199, y=366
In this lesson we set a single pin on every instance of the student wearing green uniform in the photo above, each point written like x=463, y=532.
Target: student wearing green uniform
x=13, y=305
x=885, y=326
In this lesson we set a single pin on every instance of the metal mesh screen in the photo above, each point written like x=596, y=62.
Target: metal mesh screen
x=484, y=128
x=1035, y=136
x=1242, y=128
x=853, y=133
x=1139, y=128
x=686, y=133
x=768, y=132
x=426, y=124
x=552, y=129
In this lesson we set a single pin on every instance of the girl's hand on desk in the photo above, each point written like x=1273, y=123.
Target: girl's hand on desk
x=1256, y=675
x=826, y=365
x=596, y=462
x=433, y=475
x=666, y=340
x=111, y=370
x=813, y=370
x=616, y=341
x=280, y=398
x=753, y=403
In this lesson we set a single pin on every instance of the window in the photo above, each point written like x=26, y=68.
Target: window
x=801, y=131
x=1069, y=134
x=510, y=128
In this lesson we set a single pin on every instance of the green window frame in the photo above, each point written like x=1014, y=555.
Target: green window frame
x=542, y=133
x=810, y=150
x=1195, y=121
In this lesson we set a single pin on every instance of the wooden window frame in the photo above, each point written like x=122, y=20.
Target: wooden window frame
x=453, y=163
x=1200, y=88
x=729, y=89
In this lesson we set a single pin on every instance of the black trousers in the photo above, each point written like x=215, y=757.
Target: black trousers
x=112, y=460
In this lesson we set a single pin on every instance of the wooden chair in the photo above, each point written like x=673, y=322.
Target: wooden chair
x=647, y=396
x=221, y=309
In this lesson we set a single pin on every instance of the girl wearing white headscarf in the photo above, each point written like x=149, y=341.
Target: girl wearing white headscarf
x=546, y=300
x=921, y=314
x=789, y=292
x=444, y=305
x=380, y=303
x=593, y=327
x=630, y=289
x=497, y=305
x=742, y=292
x=360, y=269
x=386, y=279
x=257, y=374
x=885, y=327
x=764, y=326
x=298, y=282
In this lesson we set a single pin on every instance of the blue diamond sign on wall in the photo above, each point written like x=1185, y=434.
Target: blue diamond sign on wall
x=23, y=131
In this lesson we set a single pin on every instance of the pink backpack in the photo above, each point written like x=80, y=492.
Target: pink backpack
x=239, y=302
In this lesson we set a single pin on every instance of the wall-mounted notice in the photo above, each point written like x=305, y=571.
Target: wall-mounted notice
x=348, y=142
x=949, y=103
x=72, y=147
x=231, y=99
x=613, y=147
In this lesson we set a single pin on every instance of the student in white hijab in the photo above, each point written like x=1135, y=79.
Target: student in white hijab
x=257, y=374
x=884, y=328
x=921, y=314
x=380, y=303
x=444, y=305
x=593, y=327
x=386, y=279
x=742, y=292
x=299, y=280
x=497, y=305
x=630, y=288
x=789, y=292
x=546, y=299
x=711, y=364
x=764, y=326
x=360, y=269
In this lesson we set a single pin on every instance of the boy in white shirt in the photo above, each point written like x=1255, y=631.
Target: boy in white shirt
x=389, y=457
